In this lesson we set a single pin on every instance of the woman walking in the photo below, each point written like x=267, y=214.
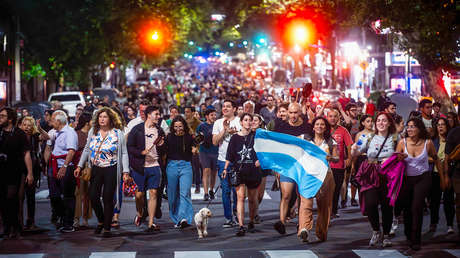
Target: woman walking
x=258, y=122
x=241, y=155
x=379, y=148
x=35, y=134
x=366, y=128
x=179, y=172
x=439, y=187
x=417, y=183
x=323, y=139
x=82, y=202
x=107, y=154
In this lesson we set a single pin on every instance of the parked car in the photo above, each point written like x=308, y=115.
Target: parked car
x=36, y=109
x=69, y=100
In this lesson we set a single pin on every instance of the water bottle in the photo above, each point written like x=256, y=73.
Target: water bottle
x=361, y=140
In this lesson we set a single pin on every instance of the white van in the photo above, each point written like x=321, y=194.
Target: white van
x=69, y=100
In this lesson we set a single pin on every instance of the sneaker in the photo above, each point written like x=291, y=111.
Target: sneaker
x=197, y=190
x=211, y=194
x=67, y=229
x=184, y=224
x=450, y=230
x=229, y=224
x=279, y=226
x=354, y=203
x=386, y=241
x=241, y=231
x=394, y=227
x=76, y=222
x=304, y=235
x=206, y=197
x=98, y=229
x=376, y=236
x=433, y=228
x=251, y=228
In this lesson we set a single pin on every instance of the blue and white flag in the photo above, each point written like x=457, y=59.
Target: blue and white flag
x=293, y=157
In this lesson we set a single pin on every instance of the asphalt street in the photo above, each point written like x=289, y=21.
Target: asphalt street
x=348, y=237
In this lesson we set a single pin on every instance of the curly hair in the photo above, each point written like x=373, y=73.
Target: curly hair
x=115, y=121
x=435, y=127
x=184, y=123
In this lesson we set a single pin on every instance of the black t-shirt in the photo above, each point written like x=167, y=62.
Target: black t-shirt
x=241, y=152
x=453, y=139
x=284, y=127
x=179, y=147
x=13, y=144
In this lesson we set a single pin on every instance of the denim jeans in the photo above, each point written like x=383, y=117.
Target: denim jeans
x=180, y=176
x=226, y=189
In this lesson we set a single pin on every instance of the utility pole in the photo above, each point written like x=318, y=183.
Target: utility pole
x=17, y=64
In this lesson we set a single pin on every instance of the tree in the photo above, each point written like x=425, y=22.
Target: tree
x=428, y=30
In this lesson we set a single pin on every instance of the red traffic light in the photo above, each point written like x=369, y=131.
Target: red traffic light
x=112, y=65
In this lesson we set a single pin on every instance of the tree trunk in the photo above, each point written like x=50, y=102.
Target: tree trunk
x=433, y=86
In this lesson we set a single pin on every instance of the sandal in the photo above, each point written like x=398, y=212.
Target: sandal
x=137, y=221
x=115, y=224
x=153, y=228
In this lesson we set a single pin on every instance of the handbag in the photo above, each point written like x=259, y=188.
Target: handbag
x=86, y=173
x=367, y=167
x=129, y=188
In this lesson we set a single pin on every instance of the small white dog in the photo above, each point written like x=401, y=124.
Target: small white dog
x=201, y=222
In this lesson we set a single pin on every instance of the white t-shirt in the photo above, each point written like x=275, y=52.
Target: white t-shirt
x=324, y=146
x=217, y=128
x=427, y=123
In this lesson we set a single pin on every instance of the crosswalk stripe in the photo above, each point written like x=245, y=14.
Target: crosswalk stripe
x=22, y=255
x=290, y=254
x=113, y=254
x=198, y=254
x=454, y=252
x=389, y=253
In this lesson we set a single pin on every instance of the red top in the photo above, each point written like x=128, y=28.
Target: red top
x=343, y=139
x=370, y=109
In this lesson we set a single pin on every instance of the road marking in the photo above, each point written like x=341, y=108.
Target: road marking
x=290, y=254
x=453, y=252
x=390, y=253
x=200, y=196
x=197, y=254
x=22, y=255
x=113, y=254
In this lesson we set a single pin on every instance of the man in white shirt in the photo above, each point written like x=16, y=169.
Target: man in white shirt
x=222, y=131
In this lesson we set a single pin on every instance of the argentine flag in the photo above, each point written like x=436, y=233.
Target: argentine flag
x=293, y=157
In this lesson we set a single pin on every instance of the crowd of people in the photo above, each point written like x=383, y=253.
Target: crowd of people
x=188, y=132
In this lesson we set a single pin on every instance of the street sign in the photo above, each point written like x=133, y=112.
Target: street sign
x=364, y=65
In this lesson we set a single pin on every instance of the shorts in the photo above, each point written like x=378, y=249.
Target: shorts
x=251, y=179
x=208, y=160
x=286, y=179
x=150, y=180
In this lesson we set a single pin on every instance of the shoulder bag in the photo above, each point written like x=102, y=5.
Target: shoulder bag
x=367, y=172
x=86, y=173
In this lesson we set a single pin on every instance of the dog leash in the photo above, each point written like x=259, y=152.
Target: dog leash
x=210, y=200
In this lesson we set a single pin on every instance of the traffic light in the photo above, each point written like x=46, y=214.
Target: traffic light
x=112, y=65
x=300, y=33
x=155, y=36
